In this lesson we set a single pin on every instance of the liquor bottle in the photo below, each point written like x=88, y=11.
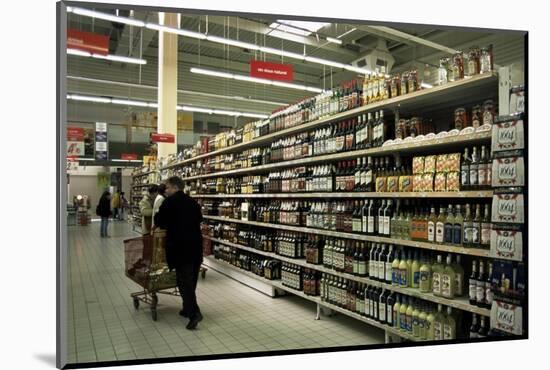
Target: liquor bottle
x=467, y=228
x=362, y=262
x=437, y=270
x=472, y=284
x=457, y=226
x=432, y=220
x=480, y=285
x=357, y=175
x=459, y=276
x=376, y=130
x=382, y=129
x=422, y=322
x=396, y=312
x=449, y=224
x=382, y=256
x=476, y=227
x=370, y=132
x=373, y=269
x=425, y=277
x=415, y=271
x=438, y=323
x=371, y=218
x=448, y=280
x=359, y=132
x=415, y=321
x=403, y=314
x=449, y=325
x=474, y=167
x=488, y=292
x=474, y=328
x=482, y=169
x=356, y=251
x=403, y=272
x=465, y=171
x=409, y=315
x=440, y=226
x=369, y=177
x=395, y=271
x=390, y=302
x=356, y=225
x=382, y=306
x=483, y=329
x=486, y=228
x=387, y=217
x=389, y=262
x=380, y=218
x=409, y=268
x=430, y=327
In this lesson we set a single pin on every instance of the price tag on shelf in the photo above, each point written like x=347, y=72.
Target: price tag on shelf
x=506, y=244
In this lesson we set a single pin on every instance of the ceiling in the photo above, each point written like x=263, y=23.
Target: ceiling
x=99, y=77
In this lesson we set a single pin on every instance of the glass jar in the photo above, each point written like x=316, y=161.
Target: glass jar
x=443, y=70
x=416, y=126
x=476, y=116
x=395, y=88
x=412, y=81
x=457, y=67
x=400, y=129
x=489, y=112
x=461, y=119
x=473, y=62
x=486, y=59
x=404, y=79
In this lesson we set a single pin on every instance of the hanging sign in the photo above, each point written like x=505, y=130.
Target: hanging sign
x=87, y=41
x=101, y=147
x=75, y=134
x=129, y=156
x=271, y=71
x=162, y=138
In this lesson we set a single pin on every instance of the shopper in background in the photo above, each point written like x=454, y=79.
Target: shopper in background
x=158, y=201
x=116, y=204
x=181, y=216
x=123, y=206
x=146, y=209
x=103, y=210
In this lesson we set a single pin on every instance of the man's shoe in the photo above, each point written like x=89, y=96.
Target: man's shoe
x=194, y=322
x=182, y=313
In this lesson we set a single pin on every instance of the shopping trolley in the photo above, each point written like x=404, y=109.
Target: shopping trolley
x=145, y=264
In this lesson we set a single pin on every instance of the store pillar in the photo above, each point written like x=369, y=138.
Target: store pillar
x=168, y=84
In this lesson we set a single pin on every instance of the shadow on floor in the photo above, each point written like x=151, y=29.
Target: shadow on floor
x=47, y=358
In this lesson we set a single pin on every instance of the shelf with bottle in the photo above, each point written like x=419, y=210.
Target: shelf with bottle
x=363, y=266
x=481, y=86
x=445, y=143
x=436, y=195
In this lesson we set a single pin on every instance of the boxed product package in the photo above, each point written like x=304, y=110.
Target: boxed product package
x=406, y=184
x=429, y=164
x=453, y=162
x=508, y=171
x=441, y=163
x=393, y=184
x=418, y=165
x=417, y=183
x=508, y=208
x=428, y=182
x=440, y=181
x=506, y=244
x=453, y=181
x=508, y=133
x=381, y=184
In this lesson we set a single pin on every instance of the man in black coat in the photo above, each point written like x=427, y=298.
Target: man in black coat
x=181, y=217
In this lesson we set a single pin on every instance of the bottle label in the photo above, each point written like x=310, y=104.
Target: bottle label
x=439, y=232
x=382, y=312
x=446, y=286
x=424, y=281
x=386, y=225
x=472, y=289
x=370, y=225
x=458, y=284
x=364, y=224
x=438, y=330
x=403, y=278
x=395, y=318
x=448, y=332
x=395, y=276
x=448, y=233
x=480, y=293
x=457, y=234
x=475, y=233
x=465, y=176
x=431, y=231
x=468, y=231
x=473, y=176
x=436, y=283
x=416, y=278
x=485, y=233
x=381, y=270
x=380, y=224
x=389, y=272
x=488, y=294
x=368, y=177
x=389, y=315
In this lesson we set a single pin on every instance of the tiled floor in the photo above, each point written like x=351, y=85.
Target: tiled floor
x=104, y=326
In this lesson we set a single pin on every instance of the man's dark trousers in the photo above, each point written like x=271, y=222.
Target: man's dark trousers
x=187, y=276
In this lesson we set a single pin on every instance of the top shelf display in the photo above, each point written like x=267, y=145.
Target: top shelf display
x=450, y=94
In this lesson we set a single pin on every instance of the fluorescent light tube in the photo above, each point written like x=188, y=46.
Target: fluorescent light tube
x=254, y=115
x=211, y=73
x=95, y=99
x=240, y=44
x=226, y=112
x=426, y=85
x=282, y=53
x=252, y=79
x=325, y=62
x=115, y=58
x=136, y=103
x=333, y=40
x=178, y=31
x=107, y=17
x=195, y=109
x=78, y=53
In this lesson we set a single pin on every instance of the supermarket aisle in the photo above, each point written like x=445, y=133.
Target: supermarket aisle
x=104, y=326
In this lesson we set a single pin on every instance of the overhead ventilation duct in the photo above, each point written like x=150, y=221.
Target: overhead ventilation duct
x=377, y=56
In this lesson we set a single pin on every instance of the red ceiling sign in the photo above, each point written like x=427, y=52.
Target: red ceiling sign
x=86, y=41
x=162, y=138
x=271, y=71
x=129, y=156
x=75, y=134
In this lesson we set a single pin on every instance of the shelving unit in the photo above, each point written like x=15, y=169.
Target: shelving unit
x=435, y=195
x=377, y=239
x=406, y=147
x=459, y=303
x=319, y=302
x=481, y=85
